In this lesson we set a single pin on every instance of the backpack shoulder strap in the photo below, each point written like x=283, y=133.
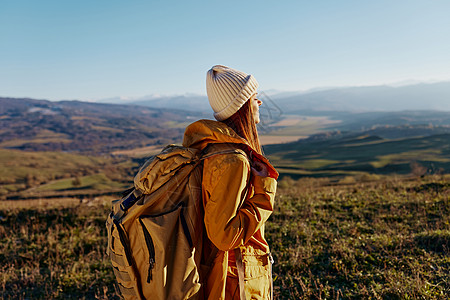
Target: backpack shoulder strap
x=222, y=148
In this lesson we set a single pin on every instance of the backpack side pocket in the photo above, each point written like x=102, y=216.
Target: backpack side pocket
x=121, y=260
x=169, y=258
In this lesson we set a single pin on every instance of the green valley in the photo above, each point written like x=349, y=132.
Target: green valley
x=362, y=154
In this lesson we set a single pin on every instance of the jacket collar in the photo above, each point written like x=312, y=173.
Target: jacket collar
x=203, y=132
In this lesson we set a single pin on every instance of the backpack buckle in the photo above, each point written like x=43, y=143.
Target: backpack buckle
x=131, y=199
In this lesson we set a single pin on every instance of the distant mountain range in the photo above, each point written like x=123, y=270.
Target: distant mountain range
x=421, y=96
x=433, y=96
x=86, y=127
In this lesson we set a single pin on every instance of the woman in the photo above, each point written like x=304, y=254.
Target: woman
x=238, y=189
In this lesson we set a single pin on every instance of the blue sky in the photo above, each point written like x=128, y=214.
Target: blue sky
x=99, y=49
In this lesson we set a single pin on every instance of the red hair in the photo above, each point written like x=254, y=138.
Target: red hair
x=243, y=123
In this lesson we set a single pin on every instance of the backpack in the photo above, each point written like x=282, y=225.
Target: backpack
x=155, y=232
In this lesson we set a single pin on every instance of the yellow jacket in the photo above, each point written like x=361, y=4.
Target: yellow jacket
x=236, y=205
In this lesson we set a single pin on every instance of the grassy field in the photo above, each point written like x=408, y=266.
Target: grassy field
x=381, y=240
x=385, y=239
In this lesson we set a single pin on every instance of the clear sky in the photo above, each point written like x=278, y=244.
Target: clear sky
x=98, y=49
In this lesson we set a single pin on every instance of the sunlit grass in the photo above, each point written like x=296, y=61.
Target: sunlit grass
x=383, y=240
x=372, y=238
x=54, y=251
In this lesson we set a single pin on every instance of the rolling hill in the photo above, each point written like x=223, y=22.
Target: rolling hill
x=75, y=126
x=337, y=144
x=359, y=154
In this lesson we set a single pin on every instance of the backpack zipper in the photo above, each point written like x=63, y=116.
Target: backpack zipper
x=124, y=242
x=151, y=250
x=185, y=227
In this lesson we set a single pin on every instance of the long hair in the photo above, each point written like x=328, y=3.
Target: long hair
x=243, y=123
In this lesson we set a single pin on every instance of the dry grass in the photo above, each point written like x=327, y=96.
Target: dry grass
x=54, y=251
x=386, y=239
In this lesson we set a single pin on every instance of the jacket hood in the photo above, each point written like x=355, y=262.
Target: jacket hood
x=203, y=132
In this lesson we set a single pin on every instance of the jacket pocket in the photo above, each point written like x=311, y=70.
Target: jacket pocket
x=257, y=276
x=256, y=265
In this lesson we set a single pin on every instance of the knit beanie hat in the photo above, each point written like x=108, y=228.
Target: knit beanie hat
x=228, y=89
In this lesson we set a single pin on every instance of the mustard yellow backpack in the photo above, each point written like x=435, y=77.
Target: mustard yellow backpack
x=155, y=232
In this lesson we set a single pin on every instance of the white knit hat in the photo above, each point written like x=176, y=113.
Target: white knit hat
x=228, y=89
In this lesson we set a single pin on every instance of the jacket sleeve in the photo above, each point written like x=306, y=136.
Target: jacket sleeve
x=229, y=220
